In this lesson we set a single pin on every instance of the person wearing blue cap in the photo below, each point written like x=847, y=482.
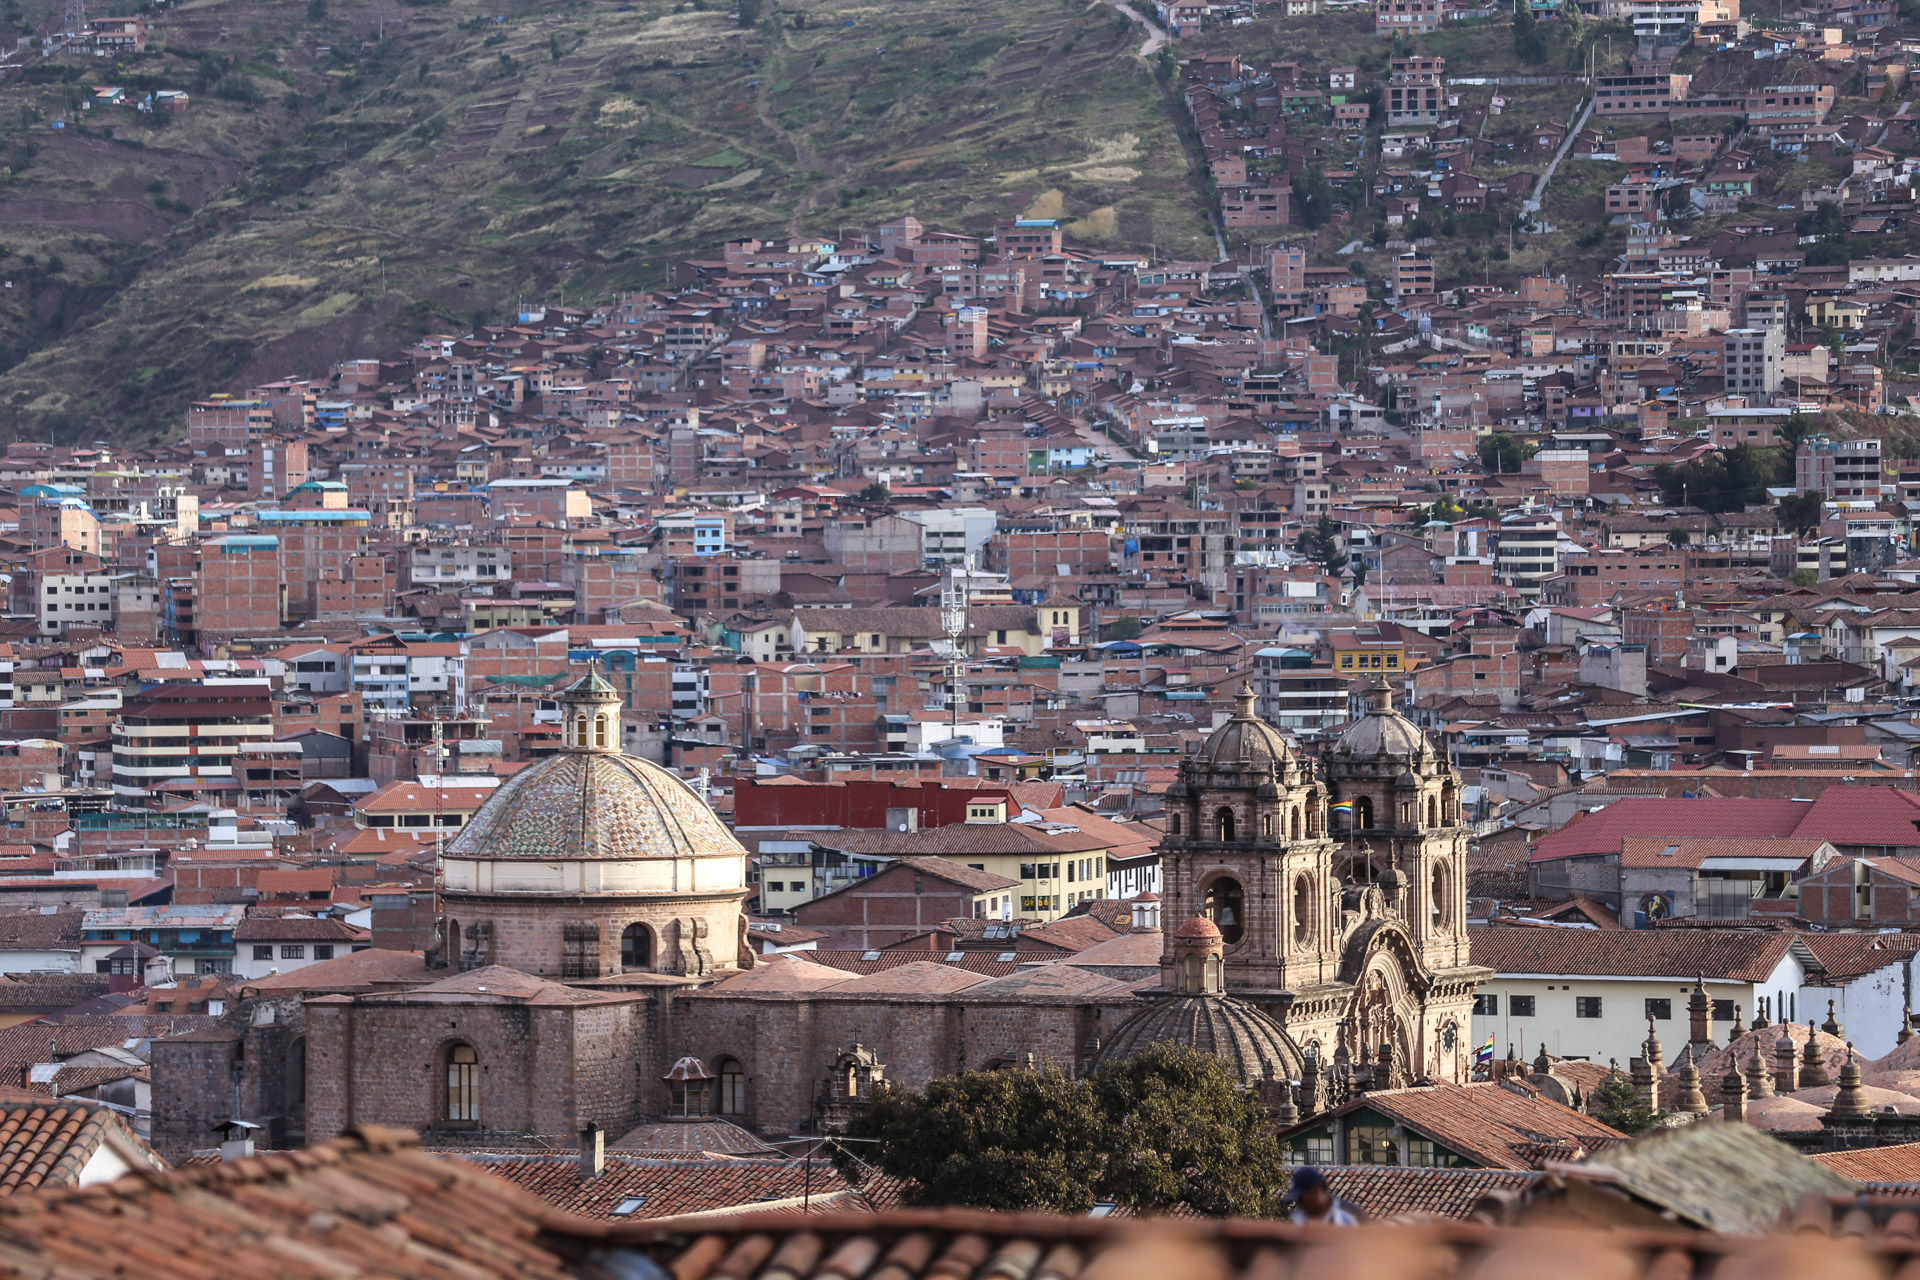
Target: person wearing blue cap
x=1311, y=1200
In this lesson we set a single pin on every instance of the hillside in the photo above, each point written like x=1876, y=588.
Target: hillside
x=436, y=162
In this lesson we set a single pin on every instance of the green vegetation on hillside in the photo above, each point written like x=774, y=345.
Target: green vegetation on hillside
x=442, y=159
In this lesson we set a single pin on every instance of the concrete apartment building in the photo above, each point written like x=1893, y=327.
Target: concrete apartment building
x=1846, y=469
x=1752, y=361
x=1416, y=90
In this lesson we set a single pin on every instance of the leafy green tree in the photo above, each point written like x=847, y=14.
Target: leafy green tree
x=316, y=10
x=1124, y=627
x=1794, y=431
x=1619, y=1105
x=1678, y=537
x=1312, y=198
x=1501, y=452
x=1726, y=479
x=1804, y=577
x=875, y=492
x=1529, y=41
x=1321, y=544
x=1801, y=513
x=1180, y=1131
x=992, y=1139
x=1165, y=1128
x=750, y=11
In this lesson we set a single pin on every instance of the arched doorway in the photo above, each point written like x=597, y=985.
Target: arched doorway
x=636, y=948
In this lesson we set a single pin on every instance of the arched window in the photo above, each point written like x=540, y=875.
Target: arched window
x=1225, y=905
x=1173, y=824
x=1433, y=812
x=463, y=1083
x=1449, y=804
x=1296, y=822
x=1190, y=974
x=1302, y=910
x=580, y=731
x=1363, y=811
x=1266, y=826
x=450, y=944
x=1223, y=822
x=636, y=947
x=600, y=731
x=733, y=1089
x=1441, y=892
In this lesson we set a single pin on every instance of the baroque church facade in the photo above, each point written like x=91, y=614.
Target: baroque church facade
x=593, y=969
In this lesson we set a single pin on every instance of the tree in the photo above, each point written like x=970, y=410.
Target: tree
x=1501, y=452
x=1165, y=1128
x=875, y=492
x=1794, y=431
x=1678, y=537
x=1804, y=577
x=1619, y=1105
x=1321, y=544
x=1312, y=198
x=992, y=1139
x=1180, y=1131
x=1124, y=627
x=750, y=11
x=1529, y=41
x=1801, y=513
x=316, y=10
x=1726, y=479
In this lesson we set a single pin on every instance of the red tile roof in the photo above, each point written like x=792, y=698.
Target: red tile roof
x=1899, y=1163
x=1602, y=832
x=49, y=1145
x=1499, y=1125
x=1635, y=953
x=666, y=1188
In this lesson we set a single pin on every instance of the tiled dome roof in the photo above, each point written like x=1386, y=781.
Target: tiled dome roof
x=1383, y=733
x=1253, y=1045
x=1245, y=740
x=590, y=806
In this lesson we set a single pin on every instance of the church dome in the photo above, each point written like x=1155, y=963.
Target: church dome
x=591, y=804
x=584, y=805
x=1245, y=740
x=1383, y=734
x=1253, y=1045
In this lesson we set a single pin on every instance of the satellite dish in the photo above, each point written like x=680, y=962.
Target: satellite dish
x=901, y=827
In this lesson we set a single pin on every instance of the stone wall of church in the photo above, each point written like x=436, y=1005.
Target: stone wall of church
x=570, y=938
x=788, y=1046
x=192, y=1091
x=541, y=1070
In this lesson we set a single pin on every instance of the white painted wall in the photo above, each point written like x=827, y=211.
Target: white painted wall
x=1622, y=1025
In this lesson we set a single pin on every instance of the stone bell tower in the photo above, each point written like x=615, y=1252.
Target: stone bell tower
x=1403, y=831
x=1247, y=848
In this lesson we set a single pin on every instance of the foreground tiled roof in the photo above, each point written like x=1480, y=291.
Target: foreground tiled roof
x=1658, y=953
x=48, y=1146
x=1385, y=1191
x=668, y=1188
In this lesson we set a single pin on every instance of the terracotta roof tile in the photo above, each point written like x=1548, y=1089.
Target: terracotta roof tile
x=1738, y=957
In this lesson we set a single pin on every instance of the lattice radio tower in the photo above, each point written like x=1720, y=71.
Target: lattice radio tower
x=76, y=17
x=953, y=620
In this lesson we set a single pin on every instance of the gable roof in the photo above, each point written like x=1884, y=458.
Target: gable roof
x=1601, y=832
x=1498, y=1124
x=1629, y=953
x=50, y=1145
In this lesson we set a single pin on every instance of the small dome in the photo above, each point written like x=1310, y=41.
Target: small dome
x=1199, y=929
x=1383, y=733
x=589, y=805
x=1252, y=1044
x=1245, y=740
x=1782, y=1115
x=1877, y=1099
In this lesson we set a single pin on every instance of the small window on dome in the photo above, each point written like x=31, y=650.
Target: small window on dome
x=600, y=731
